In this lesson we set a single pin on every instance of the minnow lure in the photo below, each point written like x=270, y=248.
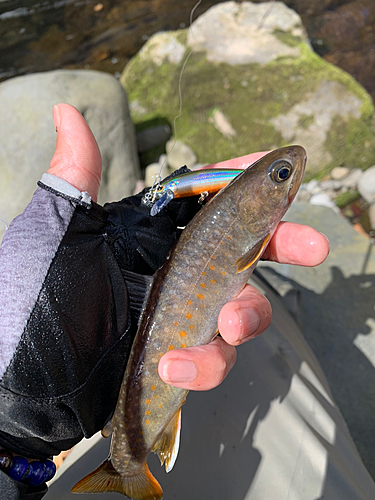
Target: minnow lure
x=209, y=266
x=199, y=182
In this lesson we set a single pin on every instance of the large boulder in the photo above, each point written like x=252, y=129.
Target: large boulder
x=252, y=82
x=28, y=137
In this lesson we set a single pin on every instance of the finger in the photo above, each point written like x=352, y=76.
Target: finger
x=198, y=368
x=244, y=317
x=77, y=157
x=297, y=244
x=240, y=162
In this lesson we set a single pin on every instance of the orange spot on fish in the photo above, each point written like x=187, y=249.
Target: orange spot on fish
x=182, y=333
x=161, y=404
x=212, y=268
x=148, y=401
x=223, y=242
x=189, y=303
x=227, y=254
x=230, y=237
x=183, y=346
x=148, y=412
x=171, y=347
x=223, y=273
x=147, y=422
x=203, y=306
x=175, y=323
x=188, y=315
x=156, y=396
x=203, y=285
x=213, y=256
x=204, y=273
x=138, y=440
x=213, y=281
x=153, y=387
x=200, y=296
x=191, y=327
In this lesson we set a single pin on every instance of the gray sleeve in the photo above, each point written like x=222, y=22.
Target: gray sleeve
x=26, y=253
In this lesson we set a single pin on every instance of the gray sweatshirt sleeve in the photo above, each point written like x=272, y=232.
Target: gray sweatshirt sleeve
x=26, y=253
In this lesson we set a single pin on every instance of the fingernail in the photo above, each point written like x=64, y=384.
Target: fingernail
x=179, y=371
x=249, y=321
x=56, y=117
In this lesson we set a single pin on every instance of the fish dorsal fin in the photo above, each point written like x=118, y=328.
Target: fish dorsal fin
x=107, y=429
x=166, y=447
x=252, y=255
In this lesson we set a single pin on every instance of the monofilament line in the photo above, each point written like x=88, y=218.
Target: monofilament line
x=179, y=96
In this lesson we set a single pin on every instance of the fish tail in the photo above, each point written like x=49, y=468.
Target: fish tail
x=141, y=486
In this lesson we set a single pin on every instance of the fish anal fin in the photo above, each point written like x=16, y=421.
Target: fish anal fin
x=107, y=429
x=166, y=447
x=252, y=255
x=141, y=486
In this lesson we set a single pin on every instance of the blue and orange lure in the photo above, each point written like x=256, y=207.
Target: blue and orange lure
x=199, y=182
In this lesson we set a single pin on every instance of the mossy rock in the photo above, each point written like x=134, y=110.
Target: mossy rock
x=269, y=98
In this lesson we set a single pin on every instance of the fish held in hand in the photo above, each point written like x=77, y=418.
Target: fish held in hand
x=209, y=266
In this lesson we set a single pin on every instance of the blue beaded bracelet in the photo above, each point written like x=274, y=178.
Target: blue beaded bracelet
x=20, y=469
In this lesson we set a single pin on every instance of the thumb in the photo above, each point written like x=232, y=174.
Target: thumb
x=77, y=157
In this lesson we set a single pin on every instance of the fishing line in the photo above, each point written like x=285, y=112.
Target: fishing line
x=157, y=180
x=6, y=227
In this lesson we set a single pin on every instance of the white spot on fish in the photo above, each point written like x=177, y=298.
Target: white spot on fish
x=221, y=449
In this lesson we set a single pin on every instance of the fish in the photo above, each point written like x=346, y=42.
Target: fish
x=209, y=266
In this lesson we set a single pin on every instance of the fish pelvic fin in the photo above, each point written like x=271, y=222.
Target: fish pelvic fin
x=107, y=430
x=141, y=486
x=167, y=446
x=252, y=255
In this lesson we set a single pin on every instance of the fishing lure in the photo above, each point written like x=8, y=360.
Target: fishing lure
x=199, y=182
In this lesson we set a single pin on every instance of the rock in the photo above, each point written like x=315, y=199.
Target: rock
x=371, y=214
x=339, y=173
x=153, y=170
x=179, y=154
x=366, y=185
x=265, y=87
x=312, y=186
x=330, y=185
x=353, y=178
x=240, y=40
x=324, y=200
x=337, y=315
x=151, y=137
x=28, y=137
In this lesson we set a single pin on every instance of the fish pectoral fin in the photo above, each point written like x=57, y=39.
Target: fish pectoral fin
x=252, y=255
x=142, y=486
x=167, y=446
x=107, y=429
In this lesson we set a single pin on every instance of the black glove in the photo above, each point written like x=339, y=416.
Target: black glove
x=66, y=327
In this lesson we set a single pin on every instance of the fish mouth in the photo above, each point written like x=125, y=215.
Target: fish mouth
x=298, y=156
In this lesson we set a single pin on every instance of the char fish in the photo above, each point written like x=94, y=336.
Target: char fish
x=209, y=266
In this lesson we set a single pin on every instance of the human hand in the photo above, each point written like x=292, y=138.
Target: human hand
x=204, y=367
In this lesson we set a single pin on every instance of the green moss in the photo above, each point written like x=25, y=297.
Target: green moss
x=287, y=38
x=351, y=143
x=305, y=121
x=346, y=198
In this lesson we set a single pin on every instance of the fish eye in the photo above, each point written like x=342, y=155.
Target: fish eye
x=280, y=171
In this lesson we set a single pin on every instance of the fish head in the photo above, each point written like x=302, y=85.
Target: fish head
x=268, y=187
